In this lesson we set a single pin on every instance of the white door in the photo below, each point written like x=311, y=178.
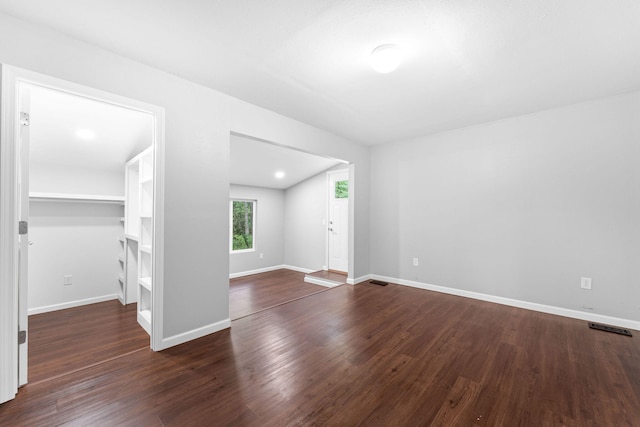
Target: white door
x=23, y=240
x=338, y=226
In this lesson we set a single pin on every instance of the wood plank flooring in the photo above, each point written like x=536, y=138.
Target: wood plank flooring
x=251, y=294
x=360, y=355
x=64, y=341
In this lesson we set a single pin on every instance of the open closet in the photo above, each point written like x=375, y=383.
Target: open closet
x=91, y=191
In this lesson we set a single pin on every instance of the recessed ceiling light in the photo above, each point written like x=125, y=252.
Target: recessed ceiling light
x=386, y=58
x=85, y=134
x=279, y=174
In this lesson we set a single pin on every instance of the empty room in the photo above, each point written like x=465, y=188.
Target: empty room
x=326, y=213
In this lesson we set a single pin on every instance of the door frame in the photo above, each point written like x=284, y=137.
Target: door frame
x=10, y=202
x=329, y=193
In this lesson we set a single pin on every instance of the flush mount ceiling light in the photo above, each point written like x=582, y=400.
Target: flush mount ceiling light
x=386, y=58
x=279, y=174
x=85, y=134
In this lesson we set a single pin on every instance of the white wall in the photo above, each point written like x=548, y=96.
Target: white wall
x=198, y=122
x=269, y=238
x=52, y=178
x=304, y=233
x=73, y=238
x=519, y=208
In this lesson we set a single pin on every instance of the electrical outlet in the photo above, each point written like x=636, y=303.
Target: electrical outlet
x=585, y=283
x=66, y=280
x=415, y=262
x=261, y=256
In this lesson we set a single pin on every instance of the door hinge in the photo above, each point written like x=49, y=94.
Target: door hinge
x=22, y=337
x=23, y=227
x=24, y=119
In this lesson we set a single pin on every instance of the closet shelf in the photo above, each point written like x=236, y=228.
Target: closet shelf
x=62, y=197
x=145, y=282
x=146, y=314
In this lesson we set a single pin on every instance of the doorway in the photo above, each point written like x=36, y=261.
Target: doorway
x=78, y=248
x=73, y=192
x=287, y=191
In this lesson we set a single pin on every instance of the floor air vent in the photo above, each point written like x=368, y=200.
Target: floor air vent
x=607, y=328
x=378, y=282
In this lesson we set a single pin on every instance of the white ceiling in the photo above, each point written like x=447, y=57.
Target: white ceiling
x=255, y=163
x=468, y=61
x=120, y=133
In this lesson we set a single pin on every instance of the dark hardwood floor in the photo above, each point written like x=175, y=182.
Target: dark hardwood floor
x=68, y=340
x=360, y=355
x=251, y=294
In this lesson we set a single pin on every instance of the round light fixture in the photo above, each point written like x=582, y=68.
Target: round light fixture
x=386, y=58
x=85, y=134
x=279, y=174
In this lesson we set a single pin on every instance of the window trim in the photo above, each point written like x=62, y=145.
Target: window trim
x=253, y=231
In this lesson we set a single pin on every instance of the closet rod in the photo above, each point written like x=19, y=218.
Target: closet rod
x=61, y=197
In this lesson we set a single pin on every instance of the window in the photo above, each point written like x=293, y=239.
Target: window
x=342, y=190
x=243, y=225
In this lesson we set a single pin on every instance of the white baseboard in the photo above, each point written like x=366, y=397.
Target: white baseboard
x=272, y=268
x=566, y=312
x=195, y=334
x=321, y=282
x=70, y=304
x=359, y=279
x=299, y=269
x=257, y=271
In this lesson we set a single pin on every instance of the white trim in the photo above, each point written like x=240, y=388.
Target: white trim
x=157, y=254
x=195, y=334
x=327, y=208
x=8, y=237
x=272, y=268
x=71, y=304
x=559, y=311
x=298, y=269
x=322, y=282
x=257, y=271
x=359, y=279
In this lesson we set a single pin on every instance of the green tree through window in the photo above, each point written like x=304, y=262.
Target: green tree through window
x=342, y=189
x=243, y=224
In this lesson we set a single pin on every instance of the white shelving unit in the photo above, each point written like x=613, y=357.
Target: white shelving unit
x=122, y=262
x=138, y=233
